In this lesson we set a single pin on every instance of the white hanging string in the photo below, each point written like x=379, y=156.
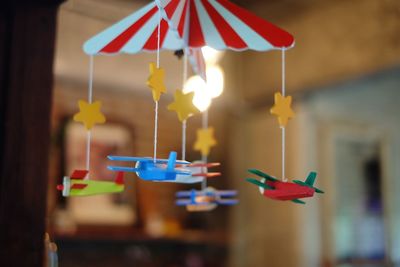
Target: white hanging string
x=90, y=100
x=204, y=157
x=158, y=37
x=156, y=104
x=184, y=123
x=90, y=89
x=184, y=140
x=155, y=131
x=185, y=66
x=283, y=127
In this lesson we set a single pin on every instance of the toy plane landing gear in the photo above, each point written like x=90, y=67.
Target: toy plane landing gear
x=273, y=188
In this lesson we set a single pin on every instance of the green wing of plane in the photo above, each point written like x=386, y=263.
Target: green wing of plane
x=258, y=183
x=263, y=175
x=298, y=201
x=97, y=188
x=310, y=182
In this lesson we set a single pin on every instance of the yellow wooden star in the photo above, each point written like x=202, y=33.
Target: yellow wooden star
x=156, y=81
x=205, y=140
x=183, y=105
x=282, y=109
x=89, y=114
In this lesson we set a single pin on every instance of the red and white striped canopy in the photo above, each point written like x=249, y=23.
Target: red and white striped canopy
x=222, y=25
x=139, y=32
x=136, y=33
x=191, y=23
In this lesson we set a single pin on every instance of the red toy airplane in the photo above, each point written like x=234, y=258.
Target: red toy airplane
x=275, y=189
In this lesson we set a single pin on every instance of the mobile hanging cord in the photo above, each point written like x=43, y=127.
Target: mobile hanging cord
x=184, y=123
x=283, y=130
x=204, y=158
x=90, y=100
x=156, y=104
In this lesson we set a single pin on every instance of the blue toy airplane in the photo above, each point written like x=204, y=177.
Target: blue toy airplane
x=150, y=170
x=205, y=200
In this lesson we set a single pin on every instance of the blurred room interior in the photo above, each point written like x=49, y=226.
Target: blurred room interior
x=344, y=76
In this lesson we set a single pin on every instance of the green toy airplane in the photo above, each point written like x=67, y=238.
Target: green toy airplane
x=77, y=186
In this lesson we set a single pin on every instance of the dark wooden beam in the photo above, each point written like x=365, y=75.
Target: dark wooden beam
x=27, y=37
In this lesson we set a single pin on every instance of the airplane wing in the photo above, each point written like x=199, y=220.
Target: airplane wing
x=165, y=161
x=205, y=165
x=123, y=158
x=228, y=202
x=79, y=174
x=190, y=193
x=207, y=175
x=122, y=169
x=264, y=175
x=78, y=186
x=185, y=193
x=226, y=193
x=182, y=172
x=298, y=201
x=258, y=183
x=183, y=202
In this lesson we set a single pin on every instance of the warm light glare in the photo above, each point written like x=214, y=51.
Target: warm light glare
x=211, y=55
x=194, y=84
x=202, y=98
x=215, y=81
x=205, y=92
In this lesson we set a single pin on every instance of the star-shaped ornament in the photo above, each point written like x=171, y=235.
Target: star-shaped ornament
x=282, y=109
x=183, y=105
x=89, y=114
x=205, y=140
x=156, y=81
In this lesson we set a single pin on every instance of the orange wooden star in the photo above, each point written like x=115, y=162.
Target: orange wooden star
x=183, y=105
x=282, y=109
x=205, y=140
x=156, y=81
x=89, y=114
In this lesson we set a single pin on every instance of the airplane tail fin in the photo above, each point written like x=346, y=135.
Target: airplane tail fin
x=310, y=182
x=311, y=179
x=171, y=160
x=119, y=179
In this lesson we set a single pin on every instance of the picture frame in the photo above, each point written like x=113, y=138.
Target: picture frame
x=109, y=209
